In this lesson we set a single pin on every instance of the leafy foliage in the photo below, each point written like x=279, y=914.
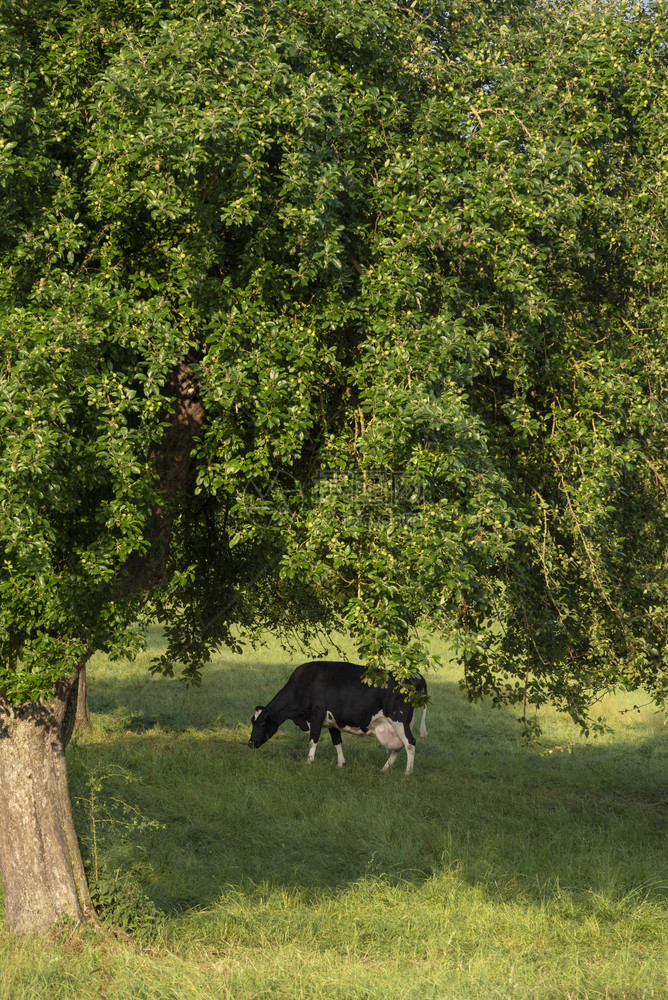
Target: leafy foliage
x=121, y=906
x=416, y=260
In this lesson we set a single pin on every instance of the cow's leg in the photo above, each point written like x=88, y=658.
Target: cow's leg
x=423, y=724
x=392, y=756
x=336, y=740
x=315, y=725
x=403, y=731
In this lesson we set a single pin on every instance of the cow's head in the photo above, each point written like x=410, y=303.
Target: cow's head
x=263, y=728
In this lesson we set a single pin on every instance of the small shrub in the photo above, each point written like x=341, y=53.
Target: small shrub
x=120, y=904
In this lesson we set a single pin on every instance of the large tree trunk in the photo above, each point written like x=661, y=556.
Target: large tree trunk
x=42, y=873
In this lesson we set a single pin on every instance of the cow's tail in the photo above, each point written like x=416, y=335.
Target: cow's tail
x=423, y=724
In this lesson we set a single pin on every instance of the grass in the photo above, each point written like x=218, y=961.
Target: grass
x=496, y=871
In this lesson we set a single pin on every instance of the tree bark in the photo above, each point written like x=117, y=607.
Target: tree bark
x=83, y=712
x=42, y=872
x=175, y=470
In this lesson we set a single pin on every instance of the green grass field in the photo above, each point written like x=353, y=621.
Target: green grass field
x=495, y=871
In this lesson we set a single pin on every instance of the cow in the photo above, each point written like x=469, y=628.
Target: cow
x=326, y=694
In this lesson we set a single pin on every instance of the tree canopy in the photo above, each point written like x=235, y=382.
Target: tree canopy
x=404, y=269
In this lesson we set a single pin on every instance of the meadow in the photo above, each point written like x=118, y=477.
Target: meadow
x=496, y=871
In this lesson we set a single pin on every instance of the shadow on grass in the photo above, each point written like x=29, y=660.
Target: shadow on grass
x=191, y=812
x=137, y=702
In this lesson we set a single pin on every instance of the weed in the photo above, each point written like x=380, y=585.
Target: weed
x=121, y=905
x=118, y=901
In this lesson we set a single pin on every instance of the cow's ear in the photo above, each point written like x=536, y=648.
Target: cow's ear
x=258, y=709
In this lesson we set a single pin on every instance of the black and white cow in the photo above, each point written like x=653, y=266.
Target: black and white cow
x=324, y=694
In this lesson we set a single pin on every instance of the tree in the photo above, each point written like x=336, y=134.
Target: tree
x=308, y=314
